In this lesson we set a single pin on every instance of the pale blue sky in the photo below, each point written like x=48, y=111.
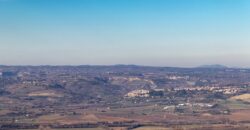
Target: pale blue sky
x=143, y=32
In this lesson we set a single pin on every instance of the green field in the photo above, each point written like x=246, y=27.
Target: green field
x=235, y=104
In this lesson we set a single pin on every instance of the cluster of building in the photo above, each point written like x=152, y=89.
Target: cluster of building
x=224, y=90
x=138, y=93
x=176, y=77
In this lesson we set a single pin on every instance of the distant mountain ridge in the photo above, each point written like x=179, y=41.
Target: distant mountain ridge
x=214, y=66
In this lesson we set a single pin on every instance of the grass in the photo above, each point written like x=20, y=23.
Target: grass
x=235, y=104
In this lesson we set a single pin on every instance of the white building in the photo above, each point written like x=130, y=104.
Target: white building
x=138, y=93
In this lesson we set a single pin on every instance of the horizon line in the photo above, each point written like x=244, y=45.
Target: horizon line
x=138, y=65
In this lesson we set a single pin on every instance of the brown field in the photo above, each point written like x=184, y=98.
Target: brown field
x=81, y=129
x=113, y=128
x=70, y=129
x=242, y=115
x=4, y=112
x=243, y=97
x=152, y=128
x=75, y=119
x=44, y=94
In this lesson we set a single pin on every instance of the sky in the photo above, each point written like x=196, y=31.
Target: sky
x=181, y=33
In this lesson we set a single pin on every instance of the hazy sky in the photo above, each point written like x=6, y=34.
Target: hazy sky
x=142, y=32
